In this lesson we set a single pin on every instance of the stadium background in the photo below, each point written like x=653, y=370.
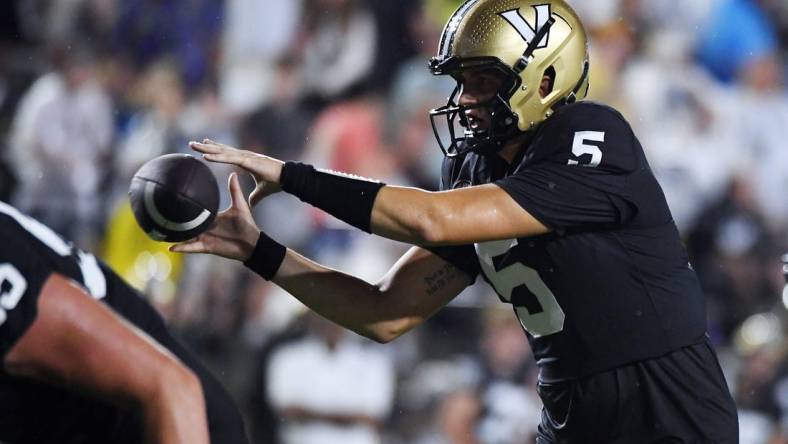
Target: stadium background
x=90, y=89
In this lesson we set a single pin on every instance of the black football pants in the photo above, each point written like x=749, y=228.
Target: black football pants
x=678, y=398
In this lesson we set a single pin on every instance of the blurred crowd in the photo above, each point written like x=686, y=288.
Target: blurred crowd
x=91, y=89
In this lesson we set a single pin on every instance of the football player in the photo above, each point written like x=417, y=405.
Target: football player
x=86, y=360
x=551, y=200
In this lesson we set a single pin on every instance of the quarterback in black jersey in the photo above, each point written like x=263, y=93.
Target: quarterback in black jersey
x=551, y=200
x=86, y=360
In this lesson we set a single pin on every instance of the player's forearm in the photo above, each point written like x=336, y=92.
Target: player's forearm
x=346, y=300
x=164, y=414
x=120, y=364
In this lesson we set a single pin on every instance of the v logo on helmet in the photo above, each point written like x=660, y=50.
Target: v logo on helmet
x=526, y=31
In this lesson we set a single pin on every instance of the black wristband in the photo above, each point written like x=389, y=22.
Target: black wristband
x=346, y=197
x=266, y=257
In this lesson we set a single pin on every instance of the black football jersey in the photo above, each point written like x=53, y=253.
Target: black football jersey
x=611, y=283
x=29, y=253
x=35, y=412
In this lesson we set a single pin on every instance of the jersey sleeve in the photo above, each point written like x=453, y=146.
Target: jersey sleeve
x=22, y=275
x=461, y=256
x=578, y=174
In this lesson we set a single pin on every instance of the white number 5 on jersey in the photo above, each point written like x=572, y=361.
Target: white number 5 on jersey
x=521, y=286
x=581, y=148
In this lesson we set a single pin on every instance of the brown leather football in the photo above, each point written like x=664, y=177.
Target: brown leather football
x=174, y=197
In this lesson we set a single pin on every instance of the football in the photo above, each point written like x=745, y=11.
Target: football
x=174, y=197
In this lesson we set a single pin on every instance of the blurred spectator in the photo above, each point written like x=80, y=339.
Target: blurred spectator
x=255, y=35
x=155, y=128
x=729, y=248
x=512, y=409
x=330, y=388
x=413, y=93
x=614, y=43
x=600, y=13
x=80, y=20
x=684, y=121
x=737, y=38
x=678, y=17
x=761, y=107
x=281, y=126
x=777, y=10
x=10, y=25
x=207, y=116
x=756, y=397
x=339, y=50
x=263, y=420
x=60, y=146
x=186, y=29
x=781, y=394
x=393, y=45
x=348, y=136
x=457, y=417
x=208, y=315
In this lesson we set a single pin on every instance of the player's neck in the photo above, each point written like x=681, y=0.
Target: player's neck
x=512, y=148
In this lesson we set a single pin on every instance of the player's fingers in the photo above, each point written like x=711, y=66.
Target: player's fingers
x=241, y=159
x=237, y=198
x=254, y=163
x=255, y=197
x=191, y=246
x=222, y=145
x=258, y=194
x=204, y=147
x=223, y=158
x=211, y=144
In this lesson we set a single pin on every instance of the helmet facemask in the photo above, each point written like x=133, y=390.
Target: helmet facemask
x=501, y=120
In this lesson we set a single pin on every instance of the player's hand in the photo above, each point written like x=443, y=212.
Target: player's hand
x=234, y=233
x=265, y=170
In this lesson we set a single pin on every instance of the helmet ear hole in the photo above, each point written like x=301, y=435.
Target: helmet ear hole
x=548, y=81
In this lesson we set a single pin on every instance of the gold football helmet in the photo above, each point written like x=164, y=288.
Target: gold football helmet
x=525, y=40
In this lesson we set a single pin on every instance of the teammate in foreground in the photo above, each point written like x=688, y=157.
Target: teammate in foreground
x=86, y=360
x=552, y=200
